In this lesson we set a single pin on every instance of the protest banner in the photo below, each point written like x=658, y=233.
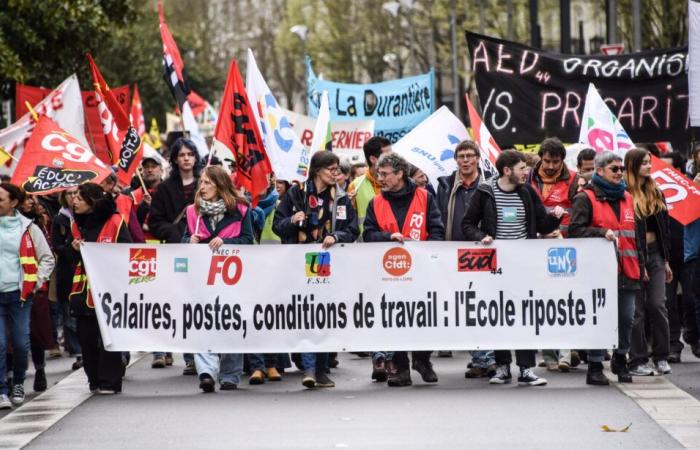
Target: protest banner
x=396, y=106
x=694, y=62
x=527, y=94
x=348, y=136
x=431, y=145
x=63, y=104
x=300, y=298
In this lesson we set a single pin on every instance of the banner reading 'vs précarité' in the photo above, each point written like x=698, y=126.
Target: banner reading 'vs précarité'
x=299, y=298
x=527, y=94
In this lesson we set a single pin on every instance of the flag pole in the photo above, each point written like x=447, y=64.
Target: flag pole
x=2, y=150
x=35, y=116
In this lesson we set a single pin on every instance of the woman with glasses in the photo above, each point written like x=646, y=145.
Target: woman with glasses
x=317, y=212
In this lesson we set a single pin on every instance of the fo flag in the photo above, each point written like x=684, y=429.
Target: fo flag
x=489, y=149
x=53, y=160
x=237, y=131
x=121, y=136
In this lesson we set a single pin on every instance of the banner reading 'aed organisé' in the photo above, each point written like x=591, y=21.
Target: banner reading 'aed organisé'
x=294, y=298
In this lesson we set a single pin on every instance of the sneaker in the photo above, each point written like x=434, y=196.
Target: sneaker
x=575, y=358
x=662, y=367
x=106, y=391
x=228, y=386
x=475, y=372
x=168, y=359
x=564, y=366
x=258, y=377
x=400, y=378
x=158, y=363
x=17, y=395
x=5, y=402
x=502, y=375
x=189, y=369
x=322, y=380
x=309, y=380
x=528, y=377
x=206, y=383
x=273, y=374
x=425, y=369
x=40, y=383
x=379, y=370
x=641, y=370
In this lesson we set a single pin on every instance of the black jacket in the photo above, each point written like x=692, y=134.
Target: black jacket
x=445, y=186
x=343, y=229
x=400, y=201
x=61, y=239
x=167, y=204
x=482, y=217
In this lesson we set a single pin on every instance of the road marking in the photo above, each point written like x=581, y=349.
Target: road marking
x=27, y=422
x=676, y=411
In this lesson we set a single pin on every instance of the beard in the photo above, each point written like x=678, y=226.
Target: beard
x=514, y=179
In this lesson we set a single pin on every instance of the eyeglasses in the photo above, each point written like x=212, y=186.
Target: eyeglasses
x=464, y=157
x=333, y=169
x=381, y=174
x=616, y=169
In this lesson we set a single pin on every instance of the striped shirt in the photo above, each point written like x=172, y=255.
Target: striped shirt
x=510, y=209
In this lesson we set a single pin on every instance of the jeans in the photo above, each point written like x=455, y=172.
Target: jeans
x=14, y=322
x=690, y=283
x=523, y=358
x=314, y=361
x=401, y=358
x=70, y=330
x=483, y=358
x=626, y=299
x=651, y=304
x=260, y=361
x=228, y=367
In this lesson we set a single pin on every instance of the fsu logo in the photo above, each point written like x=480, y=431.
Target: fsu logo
x=142, y=265
x=318, y=267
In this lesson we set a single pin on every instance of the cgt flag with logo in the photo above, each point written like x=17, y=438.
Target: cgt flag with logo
x=53, y=160
x=417, y=296
x=236, y=130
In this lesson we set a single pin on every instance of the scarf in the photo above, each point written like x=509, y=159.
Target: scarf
x=213, y=210
x=548, y=182
x=459, y=182
x=612, y=191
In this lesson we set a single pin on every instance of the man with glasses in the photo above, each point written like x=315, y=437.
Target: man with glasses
x=509, y=208
x=605, y=209
x=403, y=211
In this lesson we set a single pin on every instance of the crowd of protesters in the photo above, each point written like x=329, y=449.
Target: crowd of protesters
x=45, y=298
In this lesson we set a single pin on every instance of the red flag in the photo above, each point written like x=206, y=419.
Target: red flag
x=237, y=130
x=489, y=149
x=123, y=139
x=53, y=161
x=136, y=115
x=682, y=195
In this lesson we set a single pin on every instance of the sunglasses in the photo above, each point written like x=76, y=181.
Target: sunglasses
x=616, y=169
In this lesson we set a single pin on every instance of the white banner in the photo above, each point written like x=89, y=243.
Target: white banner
x=64, y=105
x=431, y=145
x=348, y=136
x=528, y=294
x=694, y=62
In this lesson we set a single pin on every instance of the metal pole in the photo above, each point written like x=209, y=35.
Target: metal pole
x=534, y=26
x=581, y=40
x=565, y=26
x=611, y=12
x=637, y=25
x=511, y=24
x=455, y=78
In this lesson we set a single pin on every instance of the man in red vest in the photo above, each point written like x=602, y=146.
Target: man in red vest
x=605, y=209
x=556, y=185
x=403, y=211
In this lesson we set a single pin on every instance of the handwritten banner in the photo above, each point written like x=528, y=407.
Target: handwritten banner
x=299, y=298
x=527, y=94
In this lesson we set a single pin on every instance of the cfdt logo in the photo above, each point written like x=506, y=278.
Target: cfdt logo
x=142, y=265
x=476, y=260
x=397, y=261
x=561, y=261
x=318, y=267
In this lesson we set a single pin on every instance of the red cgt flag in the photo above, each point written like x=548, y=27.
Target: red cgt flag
x=682, y=195
x=53, y=161
x=136, y=115
x=123, y=139
x=237, y=130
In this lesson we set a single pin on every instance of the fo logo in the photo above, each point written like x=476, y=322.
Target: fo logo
x=397, y=261
x=561, y=261
x=142, y=265
x=318, y=264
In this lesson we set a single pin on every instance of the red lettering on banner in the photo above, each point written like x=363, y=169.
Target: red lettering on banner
x=306, y=137
x=222, y=265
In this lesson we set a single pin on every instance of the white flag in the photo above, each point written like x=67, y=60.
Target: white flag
x=600, y=128
x=322, y=130
x=289, y=158
x=431, y=145
x=64, y=105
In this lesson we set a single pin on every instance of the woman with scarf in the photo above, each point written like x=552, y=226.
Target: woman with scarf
x=317, y=212
x=652, y=217
x=605, y=209
x=218, y=216
x=95, y=220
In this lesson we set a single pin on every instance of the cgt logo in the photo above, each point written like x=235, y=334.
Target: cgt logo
x=397, y=261
x=476, y=260
x=561, y=261
x=229, y=268
x=142, y=265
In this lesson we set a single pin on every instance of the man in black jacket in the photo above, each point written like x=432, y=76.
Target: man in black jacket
x=402, y=211
x=508, y=208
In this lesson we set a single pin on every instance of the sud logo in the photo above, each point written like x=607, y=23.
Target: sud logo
x=142, y=265
x=318, y=267
x=561, y=261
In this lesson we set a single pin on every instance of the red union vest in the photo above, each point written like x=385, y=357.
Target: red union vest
x=604, y=218
x=124, y=205
x=415, y=225
x=108, y=234
x=30, y=267
x=558, y=196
